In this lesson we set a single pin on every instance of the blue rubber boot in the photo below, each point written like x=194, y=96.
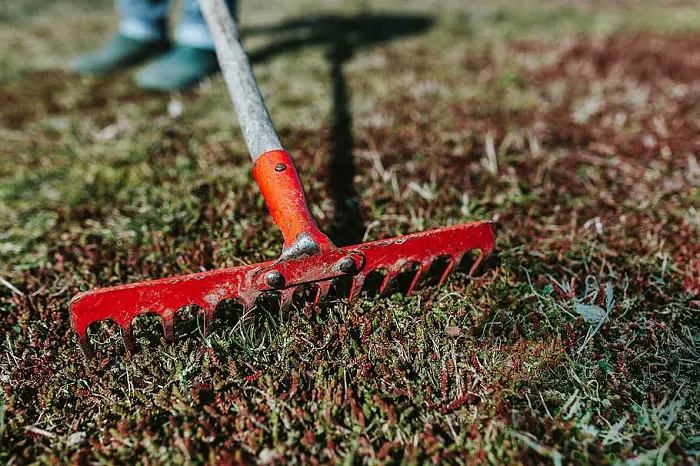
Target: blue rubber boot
x=118, y=54
x=181, y=68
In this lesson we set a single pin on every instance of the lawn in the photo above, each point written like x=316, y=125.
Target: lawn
x=573, y=125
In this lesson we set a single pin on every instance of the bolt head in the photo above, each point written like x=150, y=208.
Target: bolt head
x=346, y=264
x=274, y=279
x=280, y=167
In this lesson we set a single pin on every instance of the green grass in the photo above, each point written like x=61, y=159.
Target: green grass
x=576, y=128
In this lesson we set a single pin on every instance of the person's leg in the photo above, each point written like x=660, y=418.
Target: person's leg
x=141, y=35
x=193, y=57
x=143, y=20
x=192, y=29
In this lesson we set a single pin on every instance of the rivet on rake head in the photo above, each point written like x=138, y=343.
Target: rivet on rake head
x=275, y=279
x=346, y=264
x=280, y=167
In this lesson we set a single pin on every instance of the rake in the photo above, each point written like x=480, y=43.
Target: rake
x=308, y=257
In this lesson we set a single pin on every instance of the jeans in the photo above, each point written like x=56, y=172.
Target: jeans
x=146, y=20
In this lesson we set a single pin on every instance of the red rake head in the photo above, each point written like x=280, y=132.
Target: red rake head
x=245, y=284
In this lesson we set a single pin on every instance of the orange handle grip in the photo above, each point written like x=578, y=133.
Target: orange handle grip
x=279, y=181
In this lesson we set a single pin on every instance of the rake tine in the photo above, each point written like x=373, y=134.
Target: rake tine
x=286, y=297
x=169, y=328
x=208, y=318
x=385, y=282
x=356, y=288
x=322, y=291
x=416, y=277
x=450, y=265
x=128, y=337
x=476, y=263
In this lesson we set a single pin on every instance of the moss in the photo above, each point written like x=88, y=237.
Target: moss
x=577, y=342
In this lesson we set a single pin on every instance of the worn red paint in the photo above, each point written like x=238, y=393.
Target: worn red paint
x=308, y=257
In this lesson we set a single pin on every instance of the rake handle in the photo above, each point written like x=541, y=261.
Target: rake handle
x=273, y=167
x=258, y=131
